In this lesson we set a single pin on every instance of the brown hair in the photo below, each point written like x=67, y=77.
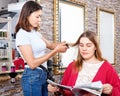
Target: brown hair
x=28, y=8
x=93, y=38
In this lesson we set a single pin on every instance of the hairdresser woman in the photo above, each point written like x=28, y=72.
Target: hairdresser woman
x=32, y=46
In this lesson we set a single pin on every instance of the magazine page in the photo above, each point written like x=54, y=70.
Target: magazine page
x=59, y=85
x=93, y=87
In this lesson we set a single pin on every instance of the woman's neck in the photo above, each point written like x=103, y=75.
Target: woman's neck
x=93, y=60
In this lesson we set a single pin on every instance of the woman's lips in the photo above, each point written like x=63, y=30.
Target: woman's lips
x=84, y=53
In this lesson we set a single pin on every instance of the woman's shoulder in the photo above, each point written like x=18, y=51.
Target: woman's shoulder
x=38, y=33
x=72, y=63
x=71, y=66
x=107, y=65
x=21, y=32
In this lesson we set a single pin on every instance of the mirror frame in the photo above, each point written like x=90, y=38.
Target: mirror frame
x=100, y=21
x=56, y=28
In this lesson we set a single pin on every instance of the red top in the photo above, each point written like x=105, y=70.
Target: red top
x=106, y=74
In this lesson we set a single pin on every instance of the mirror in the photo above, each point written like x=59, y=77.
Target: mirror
x=69, y=22
x=106, y=28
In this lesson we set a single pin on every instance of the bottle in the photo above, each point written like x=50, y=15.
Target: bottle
x=4, y=68
x=12, y=68
x=12, y=80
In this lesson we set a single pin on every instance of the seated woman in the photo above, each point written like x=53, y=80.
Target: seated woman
x=89, y=67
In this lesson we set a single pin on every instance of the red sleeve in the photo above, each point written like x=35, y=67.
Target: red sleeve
x=69, y=78
x=66, y=74
x=70, y=75
x=114, y=80
x=107, y=74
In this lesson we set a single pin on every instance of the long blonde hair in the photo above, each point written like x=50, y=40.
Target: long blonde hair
x=93, y=38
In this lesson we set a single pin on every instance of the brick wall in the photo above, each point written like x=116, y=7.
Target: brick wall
x=8, y=89
x=91, y=22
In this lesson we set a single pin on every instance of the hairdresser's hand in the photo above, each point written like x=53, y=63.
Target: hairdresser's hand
x=52, y=88
x=61, y=47
x=107, y=89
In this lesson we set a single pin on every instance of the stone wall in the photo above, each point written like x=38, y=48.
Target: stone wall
x=8, y=89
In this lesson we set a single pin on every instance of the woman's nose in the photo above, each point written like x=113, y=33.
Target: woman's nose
x=39, y=19
x=84, y=48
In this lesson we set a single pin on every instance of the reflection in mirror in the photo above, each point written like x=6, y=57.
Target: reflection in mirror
x=69, y=24
x=106, y=28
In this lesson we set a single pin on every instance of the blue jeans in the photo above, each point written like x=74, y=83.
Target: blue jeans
x=34, y=82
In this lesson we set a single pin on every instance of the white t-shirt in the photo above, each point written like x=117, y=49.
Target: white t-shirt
x=34, y=39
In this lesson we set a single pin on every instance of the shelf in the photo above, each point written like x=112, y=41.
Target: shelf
x=7, y=72
x=4, y=76
x=3, y=20
x=5, y=58
x=3, y=38
x=5, y=43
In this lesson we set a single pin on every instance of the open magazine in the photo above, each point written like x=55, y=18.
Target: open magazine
x=93, y=87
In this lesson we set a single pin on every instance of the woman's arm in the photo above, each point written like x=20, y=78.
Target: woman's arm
x=51, y=45
x=33, y=62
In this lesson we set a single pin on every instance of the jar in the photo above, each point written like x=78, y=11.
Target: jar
x=12, y=68
x=4, y=68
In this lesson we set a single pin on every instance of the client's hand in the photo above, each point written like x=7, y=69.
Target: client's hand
x=52, y=88
x=107, y=89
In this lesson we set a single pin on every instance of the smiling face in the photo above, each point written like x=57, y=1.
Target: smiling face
x=35, y=19
x=87, y=48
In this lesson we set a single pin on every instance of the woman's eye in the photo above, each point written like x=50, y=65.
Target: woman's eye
x=81, y=45
x=37, y=16
x=89, y=45
x=40, y=16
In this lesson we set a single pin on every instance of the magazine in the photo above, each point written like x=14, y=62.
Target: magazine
x=93, y=87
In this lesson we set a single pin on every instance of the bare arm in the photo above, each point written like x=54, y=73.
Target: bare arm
x=33, y=62
x=51, y=45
